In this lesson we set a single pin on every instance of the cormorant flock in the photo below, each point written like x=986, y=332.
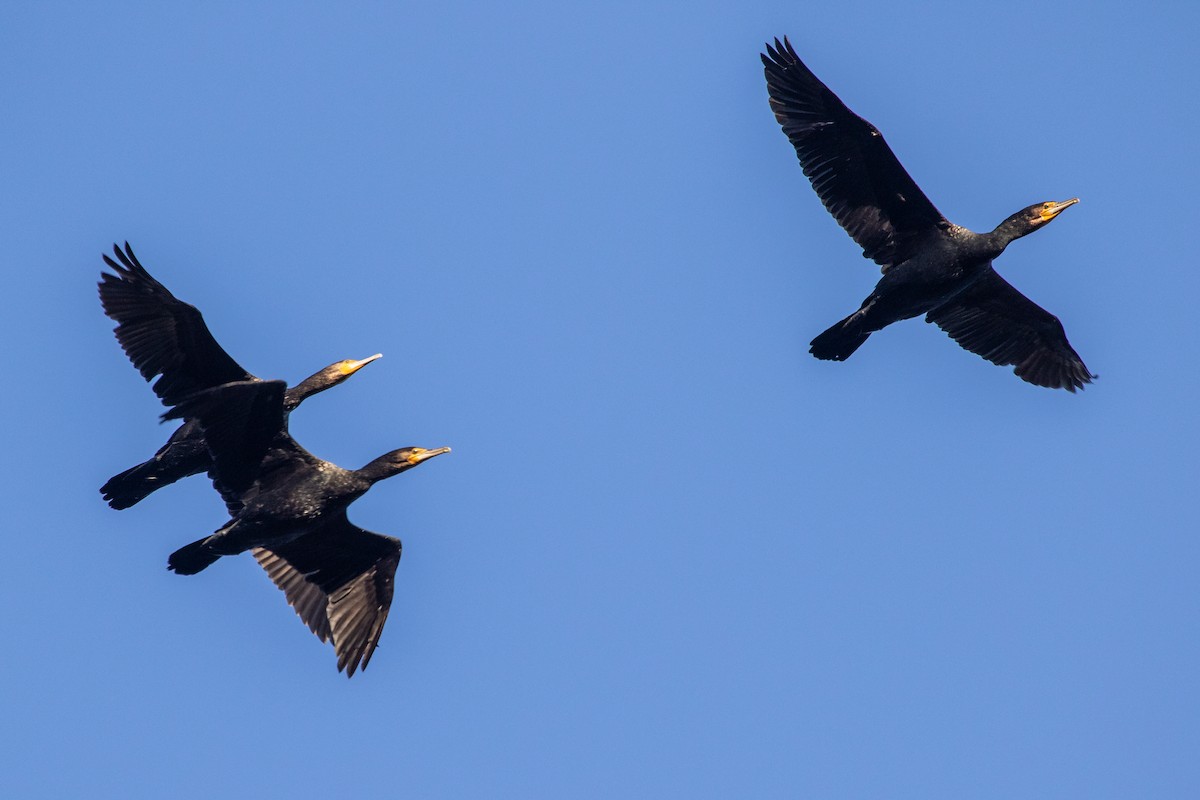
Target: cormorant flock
x=288, y=507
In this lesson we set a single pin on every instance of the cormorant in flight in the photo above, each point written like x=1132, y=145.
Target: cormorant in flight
x=167, y=337
x=930, y=265
x=289, y=508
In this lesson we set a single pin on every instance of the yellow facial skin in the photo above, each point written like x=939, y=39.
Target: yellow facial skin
x=1051, y=210
x=349, y=366
x=419, y=454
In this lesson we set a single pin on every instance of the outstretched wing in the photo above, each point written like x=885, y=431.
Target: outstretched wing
x=309, y=601
x=340, y=581
x=162, y=335
x=994, y=320
x=851, y=167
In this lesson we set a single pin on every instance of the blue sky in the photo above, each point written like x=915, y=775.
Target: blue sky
x=671, y=553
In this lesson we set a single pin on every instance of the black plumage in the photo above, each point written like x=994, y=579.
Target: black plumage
x=167, y=338
x=289, y=508
x=930, y=265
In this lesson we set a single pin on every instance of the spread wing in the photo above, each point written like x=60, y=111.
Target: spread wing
x=994, y=320
x=162, y=335
x=340, y=581
x=854, y=172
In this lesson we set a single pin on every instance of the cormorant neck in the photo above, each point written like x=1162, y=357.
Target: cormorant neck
x=313, y=384
x=1009, y=231
x=380, y=468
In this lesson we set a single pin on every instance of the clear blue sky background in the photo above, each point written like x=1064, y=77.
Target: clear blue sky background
x=671, y=554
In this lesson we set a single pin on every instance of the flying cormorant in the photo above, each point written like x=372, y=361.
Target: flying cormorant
x=289, y=508
x=930, y=265
x=167, y=337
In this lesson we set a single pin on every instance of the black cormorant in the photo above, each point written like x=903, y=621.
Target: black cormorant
x=164, y=336
x=930, y=265
x=289, y=508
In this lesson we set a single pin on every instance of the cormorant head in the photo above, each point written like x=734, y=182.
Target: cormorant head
x=398, y=461
x=1039, y=214
x=1044, y=212
x=339, y=371
x=1028, y=220
x=327, y=378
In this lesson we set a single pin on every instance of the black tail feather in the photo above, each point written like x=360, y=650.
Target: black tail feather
x=840, y=341
x=130, y=487
x=192, y=558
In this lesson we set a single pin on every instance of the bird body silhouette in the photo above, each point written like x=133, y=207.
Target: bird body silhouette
x=289, y=508
x=930, y=265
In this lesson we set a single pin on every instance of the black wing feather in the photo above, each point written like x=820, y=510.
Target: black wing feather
x=994, y=320
x=306, y=598
x=854, y=172
x=240, y=422
x=340, y=581
x=161, y=334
